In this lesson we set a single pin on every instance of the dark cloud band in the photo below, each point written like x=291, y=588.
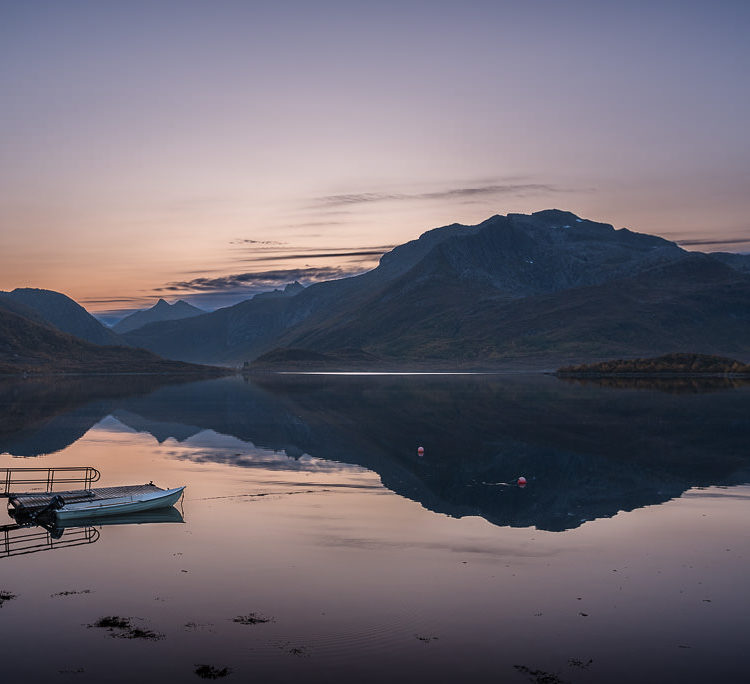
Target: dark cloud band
x=260, y=279
x=320, y=255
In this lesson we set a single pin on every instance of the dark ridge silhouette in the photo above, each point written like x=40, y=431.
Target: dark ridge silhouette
x=671, y=364
x=63, y=313
x=31, y=346
x=538, y=290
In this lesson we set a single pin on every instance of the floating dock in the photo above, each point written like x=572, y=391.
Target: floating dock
x=30, y=502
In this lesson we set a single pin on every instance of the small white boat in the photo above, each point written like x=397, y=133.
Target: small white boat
x=130, y=503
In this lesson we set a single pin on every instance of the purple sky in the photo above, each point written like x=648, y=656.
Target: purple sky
x=164, y=148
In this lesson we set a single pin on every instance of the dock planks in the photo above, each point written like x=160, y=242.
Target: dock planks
x=30, y=501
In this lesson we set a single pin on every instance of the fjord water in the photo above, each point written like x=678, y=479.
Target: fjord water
x=624, y=559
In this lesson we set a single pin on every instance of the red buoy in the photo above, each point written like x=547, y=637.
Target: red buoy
x=522, y=481
x=420, y=451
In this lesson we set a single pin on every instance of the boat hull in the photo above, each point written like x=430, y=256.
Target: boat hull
x=155, y=516
x=119, y=505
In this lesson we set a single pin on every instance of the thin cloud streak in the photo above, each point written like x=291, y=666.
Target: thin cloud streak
x=264, y=243
x=296, y=249
x=451, y=193
x=108, y=300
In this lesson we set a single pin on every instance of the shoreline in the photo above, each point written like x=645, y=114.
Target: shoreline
x=655, y=374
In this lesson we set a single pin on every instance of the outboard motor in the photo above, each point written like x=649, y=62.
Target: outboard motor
x=55, y=504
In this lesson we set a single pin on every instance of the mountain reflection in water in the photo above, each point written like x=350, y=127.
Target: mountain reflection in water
x=587, y=450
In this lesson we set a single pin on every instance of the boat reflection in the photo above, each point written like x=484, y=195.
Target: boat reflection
x=160, y=515
x=23, y=538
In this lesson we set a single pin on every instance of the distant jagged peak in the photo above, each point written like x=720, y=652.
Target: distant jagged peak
x=182, y=305
x=293, y=288
x=163, y=304
x=161, y=311
x=290, y=289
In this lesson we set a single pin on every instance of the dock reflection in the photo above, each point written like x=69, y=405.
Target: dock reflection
x=18, y=540
x=23, y=538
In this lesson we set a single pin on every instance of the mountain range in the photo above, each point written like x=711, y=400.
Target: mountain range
x=34, y=338
x=548, y=287
x=161, y=311
x=60, y=311
x=531, y=291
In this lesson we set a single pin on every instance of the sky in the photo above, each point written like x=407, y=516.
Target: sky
x=210, y=150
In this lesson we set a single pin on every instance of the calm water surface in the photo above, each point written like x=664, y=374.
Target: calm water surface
x=625, y=559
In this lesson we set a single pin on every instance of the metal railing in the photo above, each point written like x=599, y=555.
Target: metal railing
x=14, y=480
x=18, y=541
